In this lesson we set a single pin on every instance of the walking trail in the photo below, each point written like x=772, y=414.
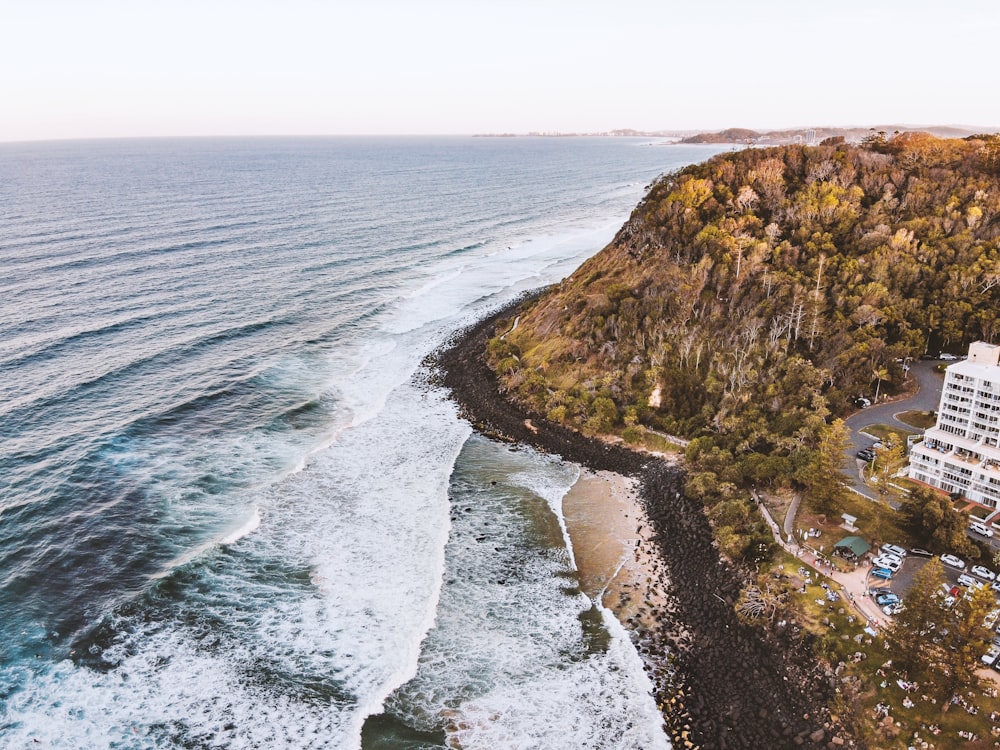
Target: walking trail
x=853, y=583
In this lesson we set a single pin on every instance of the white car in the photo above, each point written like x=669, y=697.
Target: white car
x=892, y=563
x=990, y=621
x=947, y=357
x=979, y=570
x=893, y=549
x=966, y=580
x=990, y=657
x=953, y=562
x=981, y=528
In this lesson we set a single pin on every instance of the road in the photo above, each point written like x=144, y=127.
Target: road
x=927, y=398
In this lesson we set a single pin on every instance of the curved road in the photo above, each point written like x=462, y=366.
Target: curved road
x=927, y=398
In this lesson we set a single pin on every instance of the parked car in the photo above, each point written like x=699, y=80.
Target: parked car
x=922, y=552
x=966, y=580
x=983, y=572
x=990, y=657
x=883, y=573
x=893, y=609
x=866, y=454
x=981, y=528
x=862, y=402
x=884, y=561
x=953, y=562
x=990, y=620
x=894, y=549
x=947, y=357
x=883, y=599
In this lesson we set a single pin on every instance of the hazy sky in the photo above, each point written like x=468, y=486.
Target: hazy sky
x=85, y=68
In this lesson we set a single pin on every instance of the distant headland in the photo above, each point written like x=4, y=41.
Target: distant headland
x=746, y=136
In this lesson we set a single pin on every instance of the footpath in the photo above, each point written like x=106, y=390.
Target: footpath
x=854, y=584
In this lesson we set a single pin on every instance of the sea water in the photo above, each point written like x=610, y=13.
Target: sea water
x=234, y=512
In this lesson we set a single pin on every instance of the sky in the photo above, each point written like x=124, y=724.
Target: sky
x=117, y=68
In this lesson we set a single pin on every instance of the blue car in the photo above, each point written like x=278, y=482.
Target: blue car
x=882, y=573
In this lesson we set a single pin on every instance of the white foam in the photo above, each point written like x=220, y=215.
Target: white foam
x=507, y=665
x=369, y=520
x=248, y=527
x=340, y=586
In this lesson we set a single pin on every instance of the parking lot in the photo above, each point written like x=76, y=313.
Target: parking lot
x=902, y=580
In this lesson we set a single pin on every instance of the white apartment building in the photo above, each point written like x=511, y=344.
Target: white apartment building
x=961, y=453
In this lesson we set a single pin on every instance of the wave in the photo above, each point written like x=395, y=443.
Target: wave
x=240, y=496
x=113, y=375
x=251, y=525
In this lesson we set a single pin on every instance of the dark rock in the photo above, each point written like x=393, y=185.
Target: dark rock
x=725, y=672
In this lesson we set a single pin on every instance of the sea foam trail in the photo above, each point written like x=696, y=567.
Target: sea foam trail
x=251, y=525
x=343, y=578
x=365, y=520
x=199, y=334
x=519, y=657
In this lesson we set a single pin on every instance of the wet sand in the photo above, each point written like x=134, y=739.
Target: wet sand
x=613, y=545
x=718, y=682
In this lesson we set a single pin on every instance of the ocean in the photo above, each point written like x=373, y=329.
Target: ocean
x=235, y=512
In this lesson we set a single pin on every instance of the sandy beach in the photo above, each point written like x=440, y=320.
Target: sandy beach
x=719, y=683
x=614, y=547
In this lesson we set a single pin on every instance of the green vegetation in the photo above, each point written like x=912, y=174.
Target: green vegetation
x=889, y=459
x=744, y=306
x=920, y=420
x=883, y=431
x=869, y=676
x=951, y=638
x=933, y=522
x=749, y=300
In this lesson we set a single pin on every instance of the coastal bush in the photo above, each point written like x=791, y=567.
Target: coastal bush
x=634, y=435
x=934, y=523
x=749, y=300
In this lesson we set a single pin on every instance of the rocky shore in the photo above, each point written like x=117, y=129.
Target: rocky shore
x=719, y=683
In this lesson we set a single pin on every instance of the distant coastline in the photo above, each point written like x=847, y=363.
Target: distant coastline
x=809, y=136
x=618, y=133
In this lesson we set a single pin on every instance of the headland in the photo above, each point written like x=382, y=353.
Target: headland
x=718, y=682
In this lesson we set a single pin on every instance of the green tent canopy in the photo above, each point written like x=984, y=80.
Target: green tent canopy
x=852, y=546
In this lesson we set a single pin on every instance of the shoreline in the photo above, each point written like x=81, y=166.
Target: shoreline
x=718, y=683
x=613, y=546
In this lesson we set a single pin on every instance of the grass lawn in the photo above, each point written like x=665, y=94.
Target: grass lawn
x=882, y=431
x=876, y=523
x=650, y=441
x=866, y=673
x=921, y=420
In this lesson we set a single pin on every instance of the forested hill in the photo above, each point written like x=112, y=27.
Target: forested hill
x=751, y=297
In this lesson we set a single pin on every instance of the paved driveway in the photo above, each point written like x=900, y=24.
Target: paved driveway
x=927, y=398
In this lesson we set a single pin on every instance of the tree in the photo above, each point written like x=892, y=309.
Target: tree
x=921, y=616
x=932, y=520
x=964, y=643
x=889, y=458
x=821, y=473
x=951, y=638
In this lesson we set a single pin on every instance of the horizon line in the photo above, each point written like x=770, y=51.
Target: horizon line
x=611, y=132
